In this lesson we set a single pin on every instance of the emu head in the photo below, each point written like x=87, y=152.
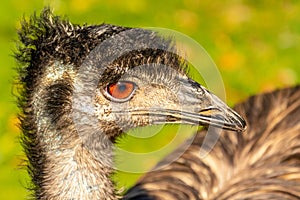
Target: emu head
x=136, y=78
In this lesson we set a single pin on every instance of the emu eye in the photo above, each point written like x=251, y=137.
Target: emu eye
x=120, y=91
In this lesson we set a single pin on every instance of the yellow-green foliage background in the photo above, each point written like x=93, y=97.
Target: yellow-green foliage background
x=255, y=44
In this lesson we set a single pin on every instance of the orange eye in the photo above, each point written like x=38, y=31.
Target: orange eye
x=121, y=90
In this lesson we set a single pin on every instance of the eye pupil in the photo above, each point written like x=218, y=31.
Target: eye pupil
x=121, y=90
x=122, y=87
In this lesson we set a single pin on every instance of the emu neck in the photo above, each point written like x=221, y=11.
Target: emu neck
x=71, y=172
x=66, y=168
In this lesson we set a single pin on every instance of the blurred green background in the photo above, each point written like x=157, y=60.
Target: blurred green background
x=255, y=45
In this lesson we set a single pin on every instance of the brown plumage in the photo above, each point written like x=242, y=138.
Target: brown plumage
x=261, y=163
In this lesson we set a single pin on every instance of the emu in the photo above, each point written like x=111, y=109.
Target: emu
x=84, y=86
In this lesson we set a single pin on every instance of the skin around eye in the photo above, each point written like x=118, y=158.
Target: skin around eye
x=121, y=90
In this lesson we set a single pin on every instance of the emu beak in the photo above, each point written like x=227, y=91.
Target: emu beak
x=202, y=107
x=220, y=115
x=197, y=106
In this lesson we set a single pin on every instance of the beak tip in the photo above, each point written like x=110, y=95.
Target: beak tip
x=234, y=122
x=243, y=127
x=240, y=122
